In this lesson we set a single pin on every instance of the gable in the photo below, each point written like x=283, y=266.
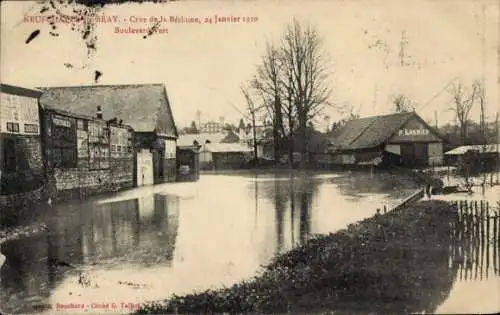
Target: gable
x=415, y=130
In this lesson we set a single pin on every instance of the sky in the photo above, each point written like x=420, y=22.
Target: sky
x=204, y=65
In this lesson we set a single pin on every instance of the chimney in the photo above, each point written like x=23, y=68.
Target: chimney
x=99, y=112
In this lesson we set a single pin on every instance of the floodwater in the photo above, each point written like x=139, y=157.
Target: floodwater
x=108, y=254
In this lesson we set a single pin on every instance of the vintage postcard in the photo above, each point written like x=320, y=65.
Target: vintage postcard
x=255, y=156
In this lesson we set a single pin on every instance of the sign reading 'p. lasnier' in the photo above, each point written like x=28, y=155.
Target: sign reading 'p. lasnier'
x=413, y=132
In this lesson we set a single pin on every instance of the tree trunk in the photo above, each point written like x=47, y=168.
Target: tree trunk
x=290, y=142
x=277, y=126
x=303, y=145
x=290, y=151
x=463, y=133
x=276, y=144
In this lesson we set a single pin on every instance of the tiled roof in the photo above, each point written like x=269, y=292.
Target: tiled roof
x=18, y=90
x=370, y=132
x=226, y=147
x=145, y=107
x=489, y=148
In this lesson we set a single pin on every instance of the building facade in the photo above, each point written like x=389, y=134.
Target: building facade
x=403, y=139
x=144, y=107
x=21, y=165
x=85, y=155
x=218, y=156
x=211, y=127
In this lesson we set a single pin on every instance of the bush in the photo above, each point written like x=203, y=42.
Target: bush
x=339, y=269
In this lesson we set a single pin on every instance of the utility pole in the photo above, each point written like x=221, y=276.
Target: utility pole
x=497, y=153
x=483, y=80
x=436, y=118
x=402, y=48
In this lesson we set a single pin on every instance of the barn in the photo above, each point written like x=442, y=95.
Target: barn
x=402, y=139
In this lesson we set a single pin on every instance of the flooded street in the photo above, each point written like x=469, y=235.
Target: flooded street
x=150, y=242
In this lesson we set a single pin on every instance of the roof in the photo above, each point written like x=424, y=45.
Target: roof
x=489, y=148
x=201, y=138
x=21, y=91
x=226, y=147
x=370, y=132
x=85, y=117
x=145, y=107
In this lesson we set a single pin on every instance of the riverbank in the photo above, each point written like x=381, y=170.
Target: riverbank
x=395, y=262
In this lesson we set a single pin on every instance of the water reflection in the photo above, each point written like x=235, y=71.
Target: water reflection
x=433, y=267
x=220, y=231
x=475, y=255
x=292, y=201
x=132, y=232
x=358, y=184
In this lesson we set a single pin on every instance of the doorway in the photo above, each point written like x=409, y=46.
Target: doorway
x=414, y=154
x=408, y=155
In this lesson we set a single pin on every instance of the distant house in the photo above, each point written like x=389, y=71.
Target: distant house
x=263, y=139
x=480, y=157
x=188, y=140
x=318, y=146
x=402, y=138
x=145, y=108
x=212, y=127
x=21, y=165
x=223, y=155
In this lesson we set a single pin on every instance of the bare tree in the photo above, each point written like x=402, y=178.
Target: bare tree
x=293, y=84
x=463, y=101
x=402, y=104
x=289, y=110
x=348, y=114
x=306, y=78
x=252, y=110
x=483, y=144
x=268, y=84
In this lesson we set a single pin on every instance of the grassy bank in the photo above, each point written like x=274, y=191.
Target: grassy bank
x=392, y=263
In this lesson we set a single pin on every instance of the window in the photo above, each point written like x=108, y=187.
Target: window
x=64, y=151
x=83, y=125
x=98, y=134
x=99, y=148
x=30, y=128
x=98, y=157
x=64, y=157
x=170, y=149
x=12, y=127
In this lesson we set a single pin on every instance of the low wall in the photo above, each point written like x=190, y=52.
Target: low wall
x=21, y=200
x=81, y=182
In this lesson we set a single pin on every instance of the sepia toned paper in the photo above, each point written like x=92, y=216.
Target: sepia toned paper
x=164, y=66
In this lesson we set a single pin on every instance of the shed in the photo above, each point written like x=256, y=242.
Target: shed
x=223, y=155
x=400, y=138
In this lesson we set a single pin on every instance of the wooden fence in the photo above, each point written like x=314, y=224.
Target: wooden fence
x=476, y=239
x=416, y=196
